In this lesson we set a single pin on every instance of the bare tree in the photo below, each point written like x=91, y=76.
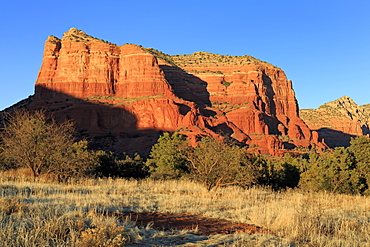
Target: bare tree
x=31, y=140
x=220, y=163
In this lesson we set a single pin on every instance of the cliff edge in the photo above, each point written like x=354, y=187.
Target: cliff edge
x=132, y=93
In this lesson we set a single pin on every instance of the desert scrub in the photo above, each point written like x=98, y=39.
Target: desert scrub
x=206, y=58
x=207, y=71
x=77, y=213
x=105, y=234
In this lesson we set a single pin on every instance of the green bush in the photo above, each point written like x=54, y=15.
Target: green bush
x=226, y=83
x=334, y=171
x=213, y=163
x=122, y=165
x=360, y=148
x=166, y=160
x=277, y=173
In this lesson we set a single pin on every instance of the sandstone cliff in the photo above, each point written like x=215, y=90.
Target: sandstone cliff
x=132, y=92
x=338, y=121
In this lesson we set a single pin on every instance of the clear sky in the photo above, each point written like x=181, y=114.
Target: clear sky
x=322, y=45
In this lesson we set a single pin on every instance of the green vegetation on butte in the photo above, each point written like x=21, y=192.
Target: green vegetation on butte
x=205, y=58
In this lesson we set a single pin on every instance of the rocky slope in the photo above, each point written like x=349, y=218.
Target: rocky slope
x=338, y=121
x=129, y=94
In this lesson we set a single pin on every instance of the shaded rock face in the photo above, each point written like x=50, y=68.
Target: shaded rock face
x=338, y=121
x=132, y=92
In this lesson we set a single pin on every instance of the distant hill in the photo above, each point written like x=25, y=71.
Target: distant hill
x=338, y=121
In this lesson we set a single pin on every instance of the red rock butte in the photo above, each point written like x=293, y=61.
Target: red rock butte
x=128, y=92
x=338, y=121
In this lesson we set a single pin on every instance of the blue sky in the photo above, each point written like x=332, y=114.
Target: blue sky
x=322, y=45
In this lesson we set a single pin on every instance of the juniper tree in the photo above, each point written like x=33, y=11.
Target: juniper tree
x=166, y=159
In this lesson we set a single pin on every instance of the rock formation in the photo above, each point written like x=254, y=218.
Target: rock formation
x=132, y=92
x=338, y=121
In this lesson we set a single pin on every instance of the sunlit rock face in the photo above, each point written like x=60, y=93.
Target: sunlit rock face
x=338, y=121
x=129, y=92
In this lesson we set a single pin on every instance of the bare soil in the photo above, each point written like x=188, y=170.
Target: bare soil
x=206, y=226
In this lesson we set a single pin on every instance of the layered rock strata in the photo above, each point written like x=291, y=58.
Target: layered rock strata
x=338, y=121
x=129, y=91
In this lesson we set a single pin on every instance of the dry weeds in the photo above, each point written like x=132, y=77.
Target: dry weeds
x=46, y=214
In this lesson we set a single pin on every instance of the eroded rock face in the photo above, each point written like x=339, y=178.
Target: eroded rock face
x=129, y=91
x=338, y=121
x=81, y=66
x=253, y=95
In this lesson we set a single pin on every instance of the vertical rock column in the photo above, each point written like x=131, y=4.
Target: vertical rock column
x=140, y=75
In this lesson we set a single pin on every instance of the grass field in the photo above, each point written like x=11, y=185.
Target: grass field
x=40, y=213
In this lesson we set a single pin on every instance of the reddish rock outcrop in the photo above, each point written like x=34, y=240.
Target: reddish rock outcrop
x=82, y=66
x=129, y=91
x=338, y=121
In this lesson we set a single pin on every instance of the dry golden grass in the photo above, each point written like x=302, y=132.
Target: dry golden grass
x=46, y=214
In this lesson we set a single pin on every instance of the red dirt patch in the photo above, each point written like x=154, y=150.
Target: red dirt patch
x=206, y=226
